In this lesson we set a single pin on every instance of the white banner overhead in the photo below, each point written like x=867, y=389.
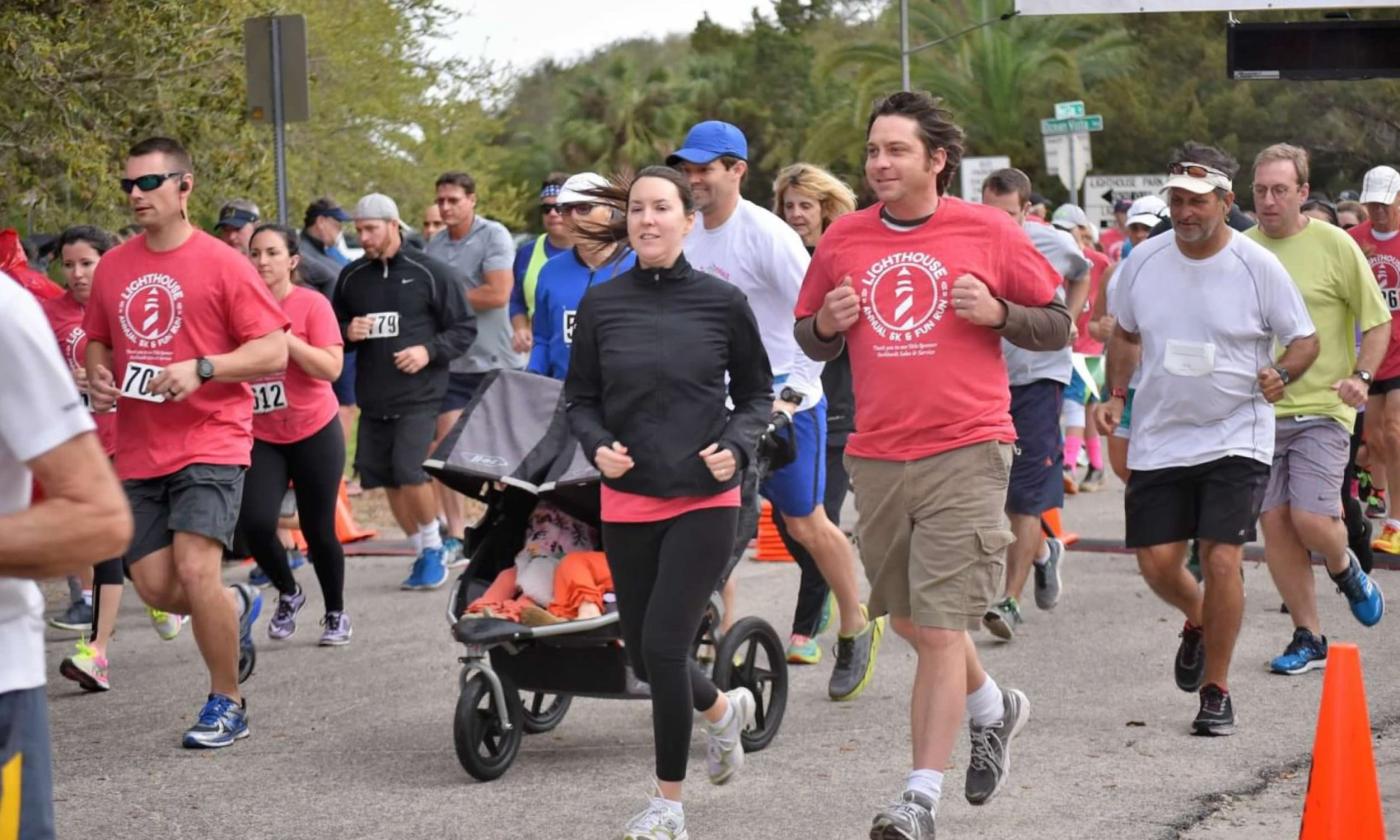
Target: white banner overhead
x=1125, y=7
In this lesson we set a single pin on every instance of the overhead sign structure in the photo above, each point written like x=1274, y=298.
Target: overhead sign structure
x=1126, y=7
x=974, y=170
x=1101, y=191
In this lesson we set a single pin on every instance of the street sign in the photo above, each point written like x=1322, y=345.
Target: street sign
x=1070, y=157
x=974, y=170
x=1071, y=125
x=1101, y=191
x=257, y=57
x=1067, y=110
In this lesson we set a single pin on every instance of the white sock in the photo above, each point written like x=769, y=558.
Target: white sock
x=1044, y=555
x=416, y=538
x=927, y=782
x=984, y=706
x=87, y=597
x=430, y=536
x=722, y=724
x=676, y=807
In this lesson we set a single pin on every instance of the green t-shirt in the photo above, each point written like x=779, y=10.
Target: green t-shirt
x=1340, y=293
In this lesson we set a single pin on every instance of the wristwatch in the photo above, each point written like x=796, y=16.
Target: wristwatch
x=204, y=368
x=1283, y=373
x=1364, y=376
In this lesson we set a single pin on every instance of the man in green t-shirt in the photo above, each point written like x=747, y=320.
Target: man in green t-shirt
x=1302, y=507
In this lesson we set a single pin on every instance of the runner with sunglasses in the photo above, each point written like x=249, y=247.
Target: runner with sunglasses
x=531, y=258
x=178, y=323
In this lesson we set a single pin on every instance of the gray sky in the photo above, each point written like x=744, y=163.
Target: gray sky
x=523, y=32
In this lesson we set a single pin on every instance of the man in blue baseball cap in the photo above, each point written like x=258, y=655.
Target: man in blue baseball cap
x=755, y=250
x=237, y=220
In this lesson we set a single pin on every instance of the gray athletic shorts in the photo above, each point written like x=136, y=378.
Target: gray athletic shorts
x=1310, y=461
x=198, y=499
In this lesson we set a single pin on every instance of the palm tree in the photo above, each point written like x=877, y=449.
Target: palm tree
x=623, y=118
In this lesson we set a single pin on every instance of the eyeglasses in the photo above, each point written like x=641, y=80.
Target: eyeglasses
x=1278, y=191
x=546, y=209
x=1196, y=170
x=580, y=209
x=148, y=183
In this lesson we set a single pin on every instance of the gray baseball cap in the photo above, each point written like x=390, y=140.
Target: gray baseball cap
x=376, y=206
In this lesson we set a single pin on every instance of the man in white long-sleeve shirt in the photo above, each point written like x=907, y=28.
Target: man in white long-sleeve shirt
x=750, y=247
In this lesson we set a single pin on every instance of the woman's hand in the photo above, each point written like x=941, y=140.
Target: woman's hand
x=613, y=462
x=720, y=461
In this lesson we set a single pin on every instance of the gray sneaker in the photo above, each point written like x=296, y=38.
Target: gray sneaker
x=337, y=632
x=1003, y=619
x=657, y=822
x=911, y=818
x=855, y=659
x=284, y=621
x=991, y=748
x=1047, y=576
x=78, y=617
x=724, y=754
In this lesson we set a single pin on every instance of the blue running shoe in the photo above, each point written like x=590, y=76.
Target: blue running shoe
x=221, y=722
x=434, y=569
x=295, y=559
x=1364, y=595
x=1303, y=654
x=415, y=575
x=252, y=608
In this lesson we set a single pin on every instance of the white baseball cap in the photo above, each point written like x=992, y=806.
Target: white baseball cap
x=1380, y=186
x=576, y=189
x=1198, y=178
x=1069, y=216
x=1147, y=210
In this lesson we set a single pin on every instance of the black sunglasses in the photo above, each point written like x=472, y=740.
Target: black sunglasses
x=148, y=182
x=546, y=209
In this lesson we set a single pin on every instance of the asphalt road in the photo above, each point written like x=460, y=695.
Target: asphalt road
x=357, y=742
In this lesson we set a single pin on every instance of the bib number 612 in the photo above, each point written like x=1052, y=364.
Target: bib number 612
x=136, y=382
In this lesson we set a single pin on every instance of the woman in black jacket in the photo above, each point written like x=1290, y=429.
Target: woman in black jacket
x=646, y=395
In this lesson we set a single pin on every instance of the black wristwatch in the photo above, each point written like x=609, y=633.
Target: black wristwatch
x=204, y=368
x=1283, y=373
x=1364, y=376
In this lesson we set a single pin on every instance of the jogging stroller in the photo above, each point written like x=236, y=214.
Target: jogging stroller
x=510, y=450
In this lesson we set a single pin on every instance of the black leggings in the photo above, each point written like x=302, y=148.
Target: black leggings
x=313, y=465
x=1358, y=530
x=812, y=588
x=664, y=573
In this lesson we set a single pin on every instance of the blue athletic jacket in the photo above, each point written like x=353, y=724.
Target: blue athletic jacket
x=561, y=285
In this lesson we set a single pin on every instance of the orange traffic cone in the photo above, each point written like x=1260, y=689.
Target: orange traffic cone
x=770, y=542
x=1344, y=796
x=1050, y=523
x=346, y=529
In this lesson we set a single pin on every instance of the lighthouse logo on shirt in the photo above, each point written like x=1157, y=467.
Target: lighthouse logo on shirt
x=71, y=341
x=150, y=310
x=904, y=296
x=1387, y=271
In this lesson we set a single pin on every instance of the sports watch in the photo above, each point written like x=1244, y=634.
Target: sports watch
x=1283, y=373
x=204, y=368
x=1364, y=376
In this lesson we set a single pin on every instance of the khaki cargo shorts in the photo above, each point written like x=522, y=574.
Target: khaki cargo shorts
x=933, y=534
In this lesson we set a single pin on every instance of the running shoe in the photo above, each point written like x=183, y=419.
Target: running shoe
x=1071, y=486
x=78, y=617
x=284, y=621
x=258, y=578
x=1093, y=481
x=1362, y=592
x=1388, y=542
x=855, y=659
x=803, y=650
x=429, y=571
x=990, y=761
x=657, y=822
x=86, y=668
x=252, y=608
x=167, y=624
x=1303, y=654
x=337, y=633
x=454, y=554
x=828, y=612
x=1003, y=618
x=1191, y=658
x=724, y=751
x=221, y=722
x=909, y=818
x=1217, y=714
x=1047, y=575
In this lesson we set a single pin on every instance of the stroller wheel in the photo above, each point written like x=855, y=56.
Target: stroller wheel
x=542, y=712
x=485, y=748
x=751, y=655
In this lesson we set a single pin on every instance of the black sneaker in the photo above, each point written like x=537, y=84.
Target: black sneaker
x=1191, y=659
x=1217, y=714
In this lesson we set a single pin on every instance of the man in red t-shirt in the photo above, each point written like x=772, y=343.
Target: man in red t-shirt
x=1379, y=239
x=921, y=288
x=177, y=324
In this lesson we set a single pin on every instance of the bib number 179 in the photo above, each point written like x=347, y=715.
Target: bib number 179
x=136, y=382
x=383, y=324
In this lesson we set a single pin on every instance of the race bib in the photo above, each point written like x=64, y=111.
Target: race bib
x=1189, y=358
x=383, y=324
x=86, y=400
x=570, y=319
x=269, y=397
x=136, y=382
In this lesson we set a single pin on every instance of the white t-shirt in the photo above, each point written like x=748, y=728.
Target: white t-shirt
x=759, y=253
x=39, y=409
x=1207, y=327
x=1063, y=253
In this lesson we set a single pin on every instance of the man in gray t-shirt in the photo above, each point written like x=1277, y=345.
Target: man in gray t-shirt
x=1037, y=380
x=483, y=254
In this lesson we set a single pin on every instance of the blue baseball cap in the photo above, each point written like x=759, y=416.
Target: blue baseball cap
x=709, y=140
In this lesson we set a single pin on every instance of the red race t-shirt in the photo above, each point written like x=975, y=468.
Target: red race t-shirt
x=925, y=380
x=295, y=405
x=1086, y=343
x=66, y=320
x=154, y=308
x=1384, y=256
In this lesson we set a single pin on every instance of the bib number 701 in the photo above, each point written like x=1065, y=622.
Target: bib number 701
x=136, y=382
